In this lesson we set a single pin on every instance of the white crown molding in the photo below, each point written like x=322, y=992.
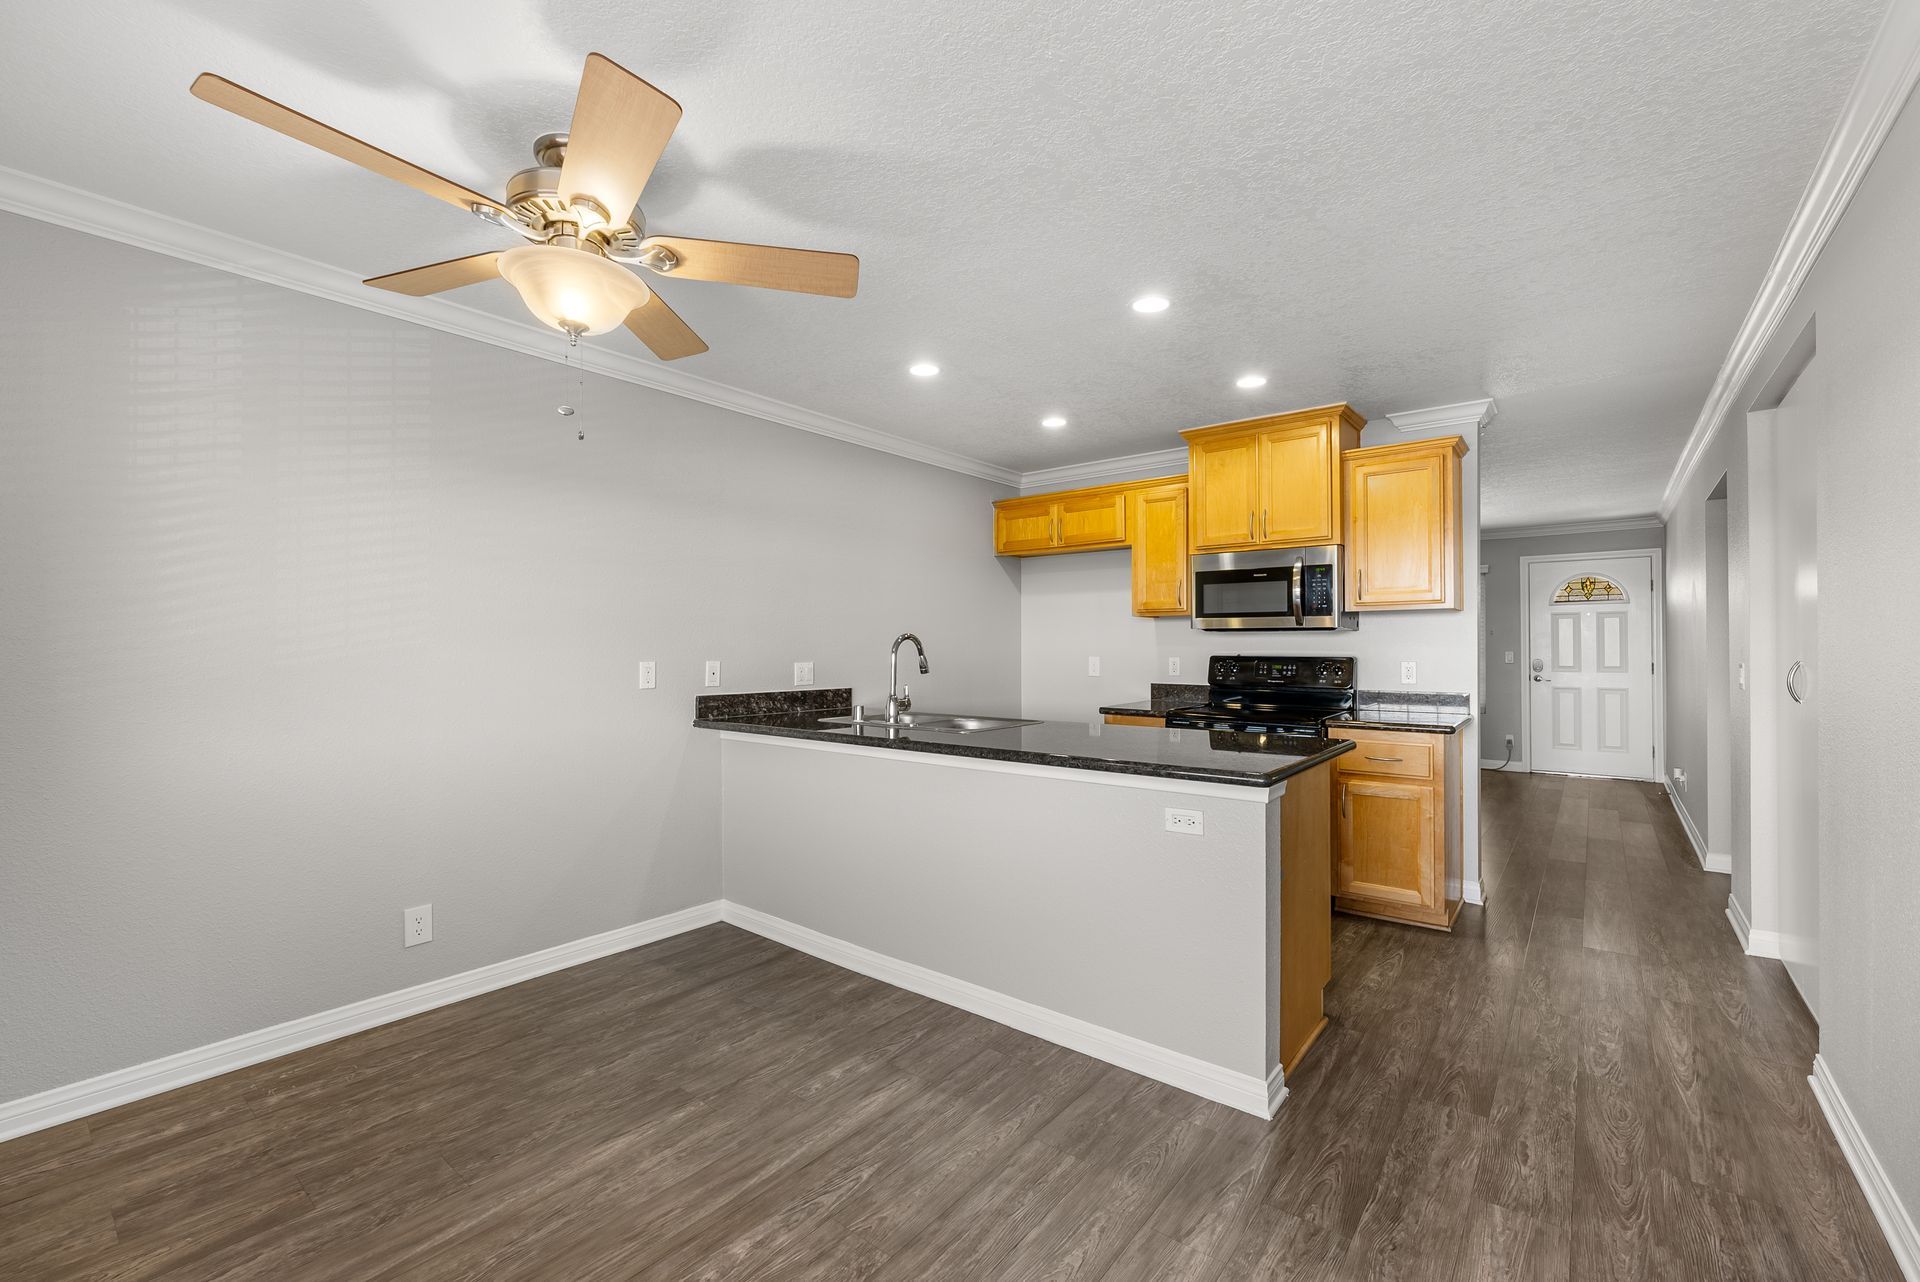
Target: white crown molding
x=1244, y=1091
x=123, y=1086
x=1885, y=82
x=1124, y=467
x=1882, y=1197
x=34, y=197
x=1466, y=416
x=1648, y=522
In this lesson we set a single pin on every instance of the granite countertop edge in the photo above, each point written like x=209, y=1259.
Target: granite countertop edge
x=1434, y=722
x=959, y=747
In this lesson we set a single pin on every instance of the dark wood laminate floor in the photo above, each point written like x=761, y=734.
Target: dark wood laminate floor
x=1586, y=1081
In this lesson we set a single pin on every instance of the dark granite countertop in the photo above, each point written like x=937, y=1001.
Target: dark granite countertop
x=1163, y=697
x=1202, y=756
x=1428, y=718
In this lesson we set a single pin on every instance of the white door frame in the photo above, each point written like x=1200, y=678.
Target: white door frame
x=1659, y=595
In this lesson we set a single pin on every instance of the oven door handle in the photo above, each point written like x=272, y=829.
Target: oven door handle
x=1299, y=607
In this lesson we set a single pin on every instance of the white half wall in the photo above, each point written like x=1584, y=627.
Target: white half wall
x=312, y=614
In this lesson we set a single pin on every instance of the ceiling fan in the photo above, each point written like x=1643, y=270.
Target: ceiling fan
x=579, y=210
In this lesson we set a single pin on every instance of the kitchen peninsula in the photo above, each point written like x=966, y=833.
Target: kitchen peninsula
x=1156, y=898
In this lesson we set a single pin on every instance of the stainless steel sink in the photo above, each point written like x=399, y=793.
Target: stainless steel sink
x=936, y=722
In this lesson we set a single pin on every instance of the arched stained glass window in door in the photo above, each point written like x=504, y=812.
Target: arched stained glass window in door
x=1583, y=588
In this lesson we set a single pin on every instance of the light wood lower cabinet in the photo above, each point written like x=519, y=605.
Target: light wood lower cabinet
x=1306, y=924
x=1396, y=824
x=1150, y=517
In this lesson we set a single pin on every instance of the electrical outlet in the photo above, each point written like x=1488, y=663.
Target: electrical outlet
x=713, y=672
x=1742, y=670
x=1093, y=665
x=803, y=674
x=646, y=674
x=1406, y=673
x=1184, y=821
x=1173, y=666
x=1509, y=657
x=417, y=926
x=1680, y=777
x=1509, y=745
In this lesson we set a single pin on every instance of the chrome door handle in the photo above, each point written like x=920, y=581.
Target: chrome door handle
x=1793, y=675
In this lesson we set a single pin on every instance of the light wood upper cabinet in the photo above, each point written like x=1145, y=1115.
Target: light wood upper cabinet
x=1223, y=474
x=1403, y=525
x=1160, y=583
x=1269, y=482
x=1148, y=516
x=1097, y=519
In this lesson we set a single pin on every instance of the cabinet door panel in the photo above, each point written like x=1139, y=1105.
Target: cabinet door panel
x=1387, y=850
x=1091, y=520
x=1160, y=581
x=1222, y=479
x=1021, y=528
x=1400, y=531
x=1298, y=473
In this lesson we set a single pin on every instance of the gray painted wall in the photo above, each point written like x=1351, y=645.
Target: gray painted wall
x=1506, y=695
x=1861, y=295
x=1076, y=607
x=311, y=615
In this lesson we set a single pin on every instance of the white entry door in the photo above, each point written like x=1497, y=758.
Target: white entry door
x=1591, y=666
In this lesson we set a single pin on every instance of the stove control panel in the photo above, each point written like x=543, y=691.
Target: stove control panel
x=1280, y=672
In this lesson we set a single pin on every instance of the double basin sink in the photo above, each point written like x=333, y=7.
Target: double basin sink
x=935, y=722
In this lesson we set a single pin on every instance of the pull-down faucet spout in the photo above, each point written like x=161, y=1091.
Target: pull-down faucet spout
x=899, y=700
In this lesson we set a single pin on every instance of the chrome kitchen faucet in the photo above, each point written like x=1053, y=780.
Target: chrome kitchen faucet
x=899, y=699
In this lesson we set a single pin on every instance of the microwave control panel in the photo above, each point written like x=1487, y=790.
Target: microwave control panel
x=1316, y=590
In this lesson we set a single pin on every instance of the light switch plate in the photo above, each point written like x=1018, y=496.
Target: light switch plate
x=803, y=674
x=647, y=681
x=713, y=672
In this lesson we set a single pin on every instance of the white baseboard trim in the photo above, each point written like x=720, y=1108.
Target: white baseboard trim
x=123, y=1086
x=1709, y=860
x=1276, y=1089
x=1737, y=918
x=1754, y=943
x=1514, y=767
x=1196, y=1076
x=1473, y=892
x=1895, y=1221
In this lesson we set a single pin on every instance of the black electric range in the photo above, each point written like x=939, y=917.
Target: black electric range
x=1271, y=694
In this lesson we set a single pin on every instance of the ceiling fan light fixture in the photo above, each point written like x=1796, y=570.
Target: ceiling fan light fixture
x=573, y=290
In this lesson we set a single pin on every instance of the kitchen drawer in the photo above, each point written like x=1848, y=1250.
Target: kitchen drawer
x=1396, y=756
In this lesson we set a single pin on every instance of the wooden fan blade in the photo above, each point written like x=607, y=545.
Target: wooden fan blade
x=805, y=271
x=437, y=278
x=660, y=328
x=283, y=119
x=620, y=126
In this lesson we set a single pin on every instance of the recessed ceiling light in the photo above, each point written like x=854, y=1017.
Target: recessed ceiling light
x=1053, y=420
x=923, y=369
x=1251, y=380
x=1150, y=303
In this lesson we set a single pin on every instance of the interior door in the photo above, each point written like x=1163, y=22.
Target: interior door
x=1796, y=426
x=1591, y=677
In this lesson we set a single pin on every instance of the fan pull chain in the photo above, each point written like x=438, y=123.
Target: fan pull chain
x=565, y=409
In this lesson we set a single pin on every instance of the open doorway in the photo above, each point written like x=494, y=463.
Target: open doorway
x=1716, y=844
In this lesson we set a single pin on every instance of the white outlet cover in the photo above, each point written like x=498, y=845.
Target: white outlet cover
x=1093, y=665
x=1406, y=673
x=416, y=925
x=647, y=678
x=713, y=672
x=1186, y=822
x=803, y=674
x=1173, y=667
x=1509, y=656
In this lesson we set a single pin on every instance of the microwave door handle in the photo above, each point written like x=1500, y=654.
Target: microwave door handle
x=1299, y=608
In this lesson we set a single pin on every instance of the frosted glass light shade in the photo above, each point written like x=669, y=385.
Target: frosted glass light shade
x=572, y=289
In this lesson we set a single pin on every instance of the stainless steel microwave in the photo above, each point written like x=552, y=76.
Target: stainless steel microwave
x=1269, y=590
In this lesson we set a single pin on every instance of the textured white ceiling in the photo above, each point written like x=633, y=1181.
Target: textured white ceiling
x=1400, y=203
